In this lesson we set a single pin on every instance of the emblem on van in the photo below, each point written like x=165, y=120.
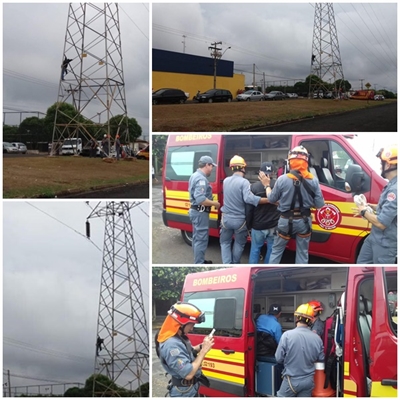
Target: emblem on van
x=328, y=217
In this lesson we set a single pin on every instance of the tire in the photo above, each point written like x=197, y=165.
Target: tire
x=248, y=99
x=210, y=100
x=229, y=100
x=187, y=237
x=155, y=102
x=181, y=101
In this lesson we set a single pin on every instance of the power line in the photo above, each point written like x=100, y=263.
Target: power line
x=134, y=22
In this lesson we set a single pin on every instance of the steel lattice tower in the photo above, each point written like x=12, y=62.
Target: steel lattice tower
x=326, y=63
x=124, y=357
x=94, y=84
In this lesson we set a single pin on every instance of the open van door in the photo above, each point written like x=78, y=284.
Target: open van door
x=383, y=348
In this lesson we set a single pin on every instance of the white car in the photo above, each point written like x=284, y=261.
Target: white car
x=379, y=97
x=9, y=148
x=21, y=147
x=292, y=95
x=250, y=95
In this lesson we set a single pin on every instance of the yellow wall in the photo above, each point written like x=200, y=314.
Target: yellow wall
x=190, y=83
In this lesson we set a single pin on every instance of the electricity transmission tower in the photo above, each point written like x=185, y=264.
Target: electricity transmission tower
x=326, y=63
x=121, y=326
x=93, y=81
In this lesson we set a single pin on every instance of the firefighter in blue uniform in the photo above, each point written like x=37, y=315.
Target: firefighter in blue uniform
x=201, y=201
x=380, y=247
x=296, y=192
x=233, y=222
x=177, y=355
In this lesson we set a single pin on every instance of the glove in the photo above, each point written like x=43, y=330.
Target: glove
x=360, y=200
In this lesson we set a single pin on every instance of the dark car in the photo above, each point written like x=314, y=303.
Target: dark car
x=164, y=96
x=214, y=95
x=275, y=95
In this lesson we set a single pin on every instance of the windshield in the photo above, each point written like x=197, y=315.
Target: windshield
x=159, y=91
x=210, y=91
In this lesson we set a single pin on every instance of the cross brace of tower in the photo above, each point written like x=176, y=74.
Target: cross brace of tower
x=122, y=323
x=92, y=82
x=326, y=62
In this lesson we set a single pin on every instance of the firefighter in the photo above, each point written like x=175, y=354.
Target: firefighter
x=201, y=201
x=269, y=331
x=317, y=326
x=380, y=247
x=178, y=357
x=261, y=220
x=237, y=193
x=298, y=350
x=296, y=192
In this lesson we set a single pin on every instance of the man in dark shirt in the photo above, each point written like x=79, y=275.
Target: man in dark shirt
x=262, y=219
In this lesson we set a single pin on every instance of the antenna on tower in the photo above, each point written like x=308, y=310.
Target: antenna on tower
x=91, y=79
x=122, y=346
x=326, y=63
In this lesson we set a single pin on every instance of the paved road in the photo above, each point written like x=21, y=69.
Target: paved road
x=133, y=191
x=169, y=247
x=159, y=380
x=375, y=119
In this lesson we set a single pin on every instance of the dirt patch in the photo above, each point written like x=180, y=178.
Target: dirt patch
x=236, y=116
x=47, y=176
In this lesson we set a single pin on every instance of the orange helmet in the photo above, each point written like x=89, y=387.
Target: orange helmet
x=237, y=161
x=316, y=305
x=388, y=154
x=305, y=313
x=299, y=152
x=186, y=313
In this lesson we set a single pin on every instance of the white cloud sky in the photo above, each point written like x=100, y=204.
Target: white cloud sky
x=33, y=44
x=277, y=38
x=51, y=284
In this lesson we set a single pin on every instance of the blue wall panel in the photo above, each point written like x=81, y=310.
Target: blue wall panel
x=170, y=61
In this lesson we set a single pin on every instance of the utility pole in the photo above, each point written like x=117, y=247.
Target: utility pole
x=263, y=82
x=122, y=326
x=92, y=81
x=184, y=43
x=254, y=76
x=216, y=55
x=325, y=55
x=361, y=81
x=9, y=383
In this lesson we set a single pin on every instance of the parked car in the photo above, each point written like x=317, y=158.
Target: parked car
x=86, y=150
x=250, y=95
x=328, y=95
x=379, y=97
x=292, y=95
x=214, y=95
x=165, y=96
x=9, y=148
x=21, y=147
x=275, y=95
x=319, y=94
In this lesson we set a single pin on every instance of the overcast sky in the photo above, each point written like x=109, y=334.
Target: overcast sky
x=277, y=38
x=51, y=284
x=33, y=44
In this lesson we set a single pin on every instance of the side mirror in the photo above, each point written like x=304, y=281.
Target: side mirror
x=355, y=178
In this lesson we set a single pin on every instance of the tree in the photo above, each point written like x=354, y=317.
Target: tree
x=158, y=150
x=10, y=133
x=168, y=282
x=135, y=130
x=32, y=128
x=345, y=85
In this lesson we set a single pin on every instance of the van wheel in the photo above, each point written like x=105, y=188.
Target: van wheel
x=210, y=100
x=187, y=237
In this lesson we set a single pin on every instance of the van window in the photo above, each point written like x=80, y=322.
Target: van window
x=206, y=302
x=329, y=161
x=183, y=161
x=391, y=290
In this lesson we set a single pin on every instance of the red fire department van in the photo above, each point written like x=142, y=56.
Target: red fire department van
x=232, y=298
x=342, y=172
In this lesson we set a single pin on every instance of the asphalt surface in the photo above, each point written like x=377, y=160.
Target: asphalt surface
x=159, y=380
x=169, y=247
x=133, y=191
x=374, y=119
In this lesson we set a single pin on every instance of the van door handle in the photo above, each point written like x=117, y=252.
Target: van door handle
x=227, y=351
x=389, y=382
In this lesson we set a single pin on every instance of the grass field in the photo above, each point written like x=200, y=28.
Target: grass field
x=236, y=116
x=30, y=177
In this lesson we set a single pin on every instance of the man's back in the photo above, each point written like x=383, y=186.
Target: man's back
x=298, y=350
